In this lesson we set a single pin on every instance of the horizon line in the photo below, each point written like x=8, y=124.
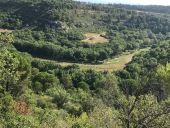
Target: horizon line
x=114, y=3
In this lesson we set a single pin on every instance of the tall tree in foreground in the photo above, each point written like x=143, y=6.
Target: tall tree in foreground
x=14, y=68
x=144, y=112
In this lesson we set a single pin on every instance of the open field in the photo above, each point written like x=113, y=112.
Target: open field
x=110, y=65
x=93, y=38
x=5, y=30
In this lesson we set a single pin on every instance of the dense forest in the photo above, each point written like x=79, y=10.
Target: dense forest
x=37, y=92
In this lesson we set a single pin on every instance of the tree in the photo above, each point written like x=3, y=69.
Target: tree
x=43, y=81
x=6, y=38
x=104, y=117
x=67, y=81
x=108, y=90
x=163, y=80
x=144, y=112
x=60, y=97
x=15, y=72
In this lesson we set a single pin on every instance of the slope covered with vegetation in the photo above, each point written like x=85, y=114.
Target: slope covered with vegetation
x=59, y=26
x=43, y=94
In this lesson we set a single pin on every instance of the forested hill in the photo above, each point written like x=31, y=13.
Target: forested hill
x=60, y=26
x=146, y=8
x=39, y=90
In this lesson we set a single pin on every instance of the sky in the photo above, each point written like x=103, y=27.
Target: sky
x=135, y=2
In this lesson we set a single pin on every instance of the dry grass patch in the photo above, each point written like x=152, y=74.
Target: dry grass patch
x=109, y=65
x=22, y=108
x=5, y=30
x=94, y=38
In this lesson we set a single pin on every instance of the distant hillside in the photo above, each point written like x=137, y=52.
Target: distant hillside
x=147, y=8
x=56, y=29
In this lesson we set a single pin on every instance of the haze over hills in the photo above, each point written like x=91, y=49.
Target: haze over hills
x=157, y=8
x=130, y=2
x=67, y=64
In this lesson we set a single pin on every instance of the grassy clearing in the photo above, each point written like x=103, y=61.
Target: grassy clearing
x=93, y=38
x=110, y=65
x=5, y=30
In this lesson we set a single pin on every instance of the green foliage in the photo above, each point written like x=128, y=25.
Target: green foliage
x=6, y=38
x=143, y=111
x=163, y=78
x=14, y=72
x=60, y=97
x=54, y=29
x=104, y=117
x=143, y=74
x=67, y=97
x=43, y=81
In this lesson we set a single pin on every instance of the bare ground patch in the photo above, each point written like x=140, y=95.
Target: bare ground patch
x=5, y=30
x=93, y=38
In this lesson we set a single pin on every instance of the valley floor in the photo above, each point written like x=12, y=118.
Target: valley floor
x=115, y=64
